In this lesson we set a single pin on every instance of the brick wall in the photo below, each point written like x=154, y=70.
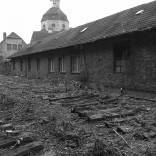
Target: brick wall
x=140, y=73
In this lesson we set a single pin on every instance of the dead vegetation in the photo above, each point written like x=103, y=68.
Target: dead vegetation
x=74, y=120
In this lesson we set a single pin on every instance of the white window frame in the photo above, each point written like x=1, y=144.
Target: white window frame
x=62, y=65
x=77, y=58
x=14, y=46
x=8, y=46
x=52, y=65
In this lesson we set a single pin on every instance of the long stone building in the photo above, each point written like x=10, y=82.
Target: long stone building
x=115, y=50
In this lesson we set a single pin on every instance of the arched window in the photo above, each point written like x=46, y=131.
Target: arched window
x=43, y=26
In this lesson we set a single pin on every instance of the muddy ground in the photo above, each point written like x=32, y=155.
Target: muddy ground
x=70, y=119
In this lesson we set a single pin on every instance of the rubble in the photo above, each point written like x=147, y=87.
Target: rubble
x=78, y=121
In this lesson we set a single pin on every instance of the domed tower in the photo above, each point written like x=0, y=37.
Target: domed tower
x=54, y=20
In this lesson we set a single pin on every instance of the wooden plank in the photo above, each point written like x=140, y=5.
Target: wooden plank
x=7, y=127
x=26, y=149
x=63, y=98
x=10, y=142
x=92, y=103
x=74, y=97
x=80, y=101
x=12, y=133
x=109, y=100
x=141, y=98
x=103, y=116
x=79, y=109
x=88, y=104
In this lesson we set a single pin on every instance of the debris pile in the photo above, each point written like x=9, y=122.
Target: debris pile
x=59, y=119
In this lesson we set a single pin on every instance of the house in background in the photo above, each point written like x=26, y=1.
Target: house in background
x=113, y=51
x=52, y=22
x=10, y=44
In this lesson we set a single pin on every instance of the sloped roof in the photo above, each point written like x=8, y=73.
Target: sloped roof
x=54, y=13
x=124, y=22
x=14, y=35
x=39, y=35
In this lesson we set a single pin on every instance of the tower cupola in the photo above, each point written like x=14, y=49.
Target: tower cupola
x=54, y=20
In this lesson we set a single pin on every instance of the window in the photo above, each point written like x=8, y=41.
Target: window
x=21, y=65
x=13, y=64
x=8, y=46
x=75, y=64
x=53, y=25
x=43, y=26
x=62, y=64
x=63, y=26
x=38, y=64
x=19, y=46
x=51, y=65
x=14, y=47
x=121, y=57
x=29, y=64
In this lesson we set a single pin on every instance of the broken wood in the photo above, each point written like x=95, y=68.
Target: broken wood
x=81, y=105
x=12, y=133
x=10, y=142
x=124, y=129
x=141, y=98
x=74, y=97
x=63, y=98
x=103, y=116
x=110, y=100
x=25, y=150
x=7, y=127
x=79, y=109
x=97, y=102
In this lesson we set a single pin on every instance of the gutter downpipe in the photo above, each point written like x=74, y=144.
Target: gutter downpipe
x=85, y=63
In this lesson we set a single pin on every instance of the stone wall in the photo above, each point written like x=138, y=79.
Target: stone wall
x=58, y=25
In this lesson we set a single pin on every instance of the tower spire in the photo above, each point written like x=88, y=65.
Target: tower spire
x=56, y=3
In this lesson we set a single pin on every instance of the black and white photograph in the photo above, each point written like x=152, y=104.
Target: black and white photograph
x=78, y=78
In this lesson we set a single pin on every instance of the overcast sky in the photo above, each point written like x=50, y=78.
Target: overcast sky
x=24, y=16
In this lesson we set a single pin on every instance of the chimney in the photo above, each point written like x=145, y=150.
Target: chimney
x=4, y=35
